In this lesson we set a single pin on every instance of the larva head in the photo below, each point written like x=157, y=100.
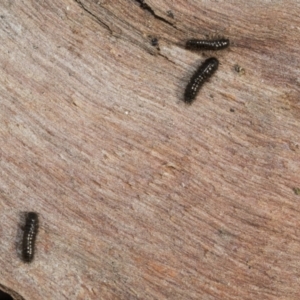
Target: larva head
x=213, y=62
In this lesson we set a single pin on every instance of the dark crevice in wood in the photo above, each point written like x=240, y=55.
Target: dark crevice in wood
x=94, y=16
x=145, y=6
x=167, y=58
x=9, y=294
x=5, y=296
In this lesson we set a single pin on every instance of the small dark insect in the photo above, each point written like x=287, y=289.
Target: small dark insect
x=30, y=232
x=207, y=44
x=154, y=41
x=199, y=77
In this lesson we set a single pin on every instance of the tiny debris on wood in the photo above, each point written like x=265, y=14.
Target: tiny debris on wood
x=296, y=191
x=239, y=69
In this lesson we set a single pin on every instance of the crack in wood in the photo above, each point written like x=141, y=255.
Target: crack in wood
x=94, y=16
x=10, y=292
x=167, y=58
x=147, y=7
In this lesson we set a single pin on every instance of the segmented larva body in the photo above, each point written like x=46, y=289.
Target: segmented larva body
x=199, y=77
x=218, y=44
x=30, y=232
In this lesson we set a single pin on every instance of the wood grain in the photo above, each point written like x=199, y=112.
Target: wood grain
x=139, y=195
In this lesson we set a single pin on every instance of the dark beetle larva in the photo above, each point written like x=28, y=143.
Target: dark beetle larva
x=207, y=44
x=30, y=232
x=200, y=76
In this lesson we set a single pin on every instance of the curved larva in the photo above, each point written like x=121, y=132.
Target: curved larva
x=199, y=77
x=218, y=44
x=30, y=232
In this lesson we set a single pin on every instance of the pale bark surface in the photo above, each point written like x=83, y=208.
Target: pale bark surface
x=139, y=195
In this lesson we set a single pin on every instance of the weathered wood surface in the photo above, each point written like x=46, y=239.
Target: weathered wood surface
x=141, y=196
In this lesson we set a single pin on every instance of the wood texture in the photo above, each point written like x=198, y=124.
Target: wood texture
x=139, y=195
